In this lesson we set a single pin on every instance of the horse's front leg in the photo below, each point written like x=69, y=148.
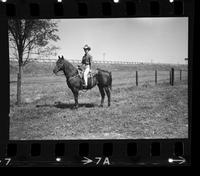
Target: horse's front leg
x=75, y=92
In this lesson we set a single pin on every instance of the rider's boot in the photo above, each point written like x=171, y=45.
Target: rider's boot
x=84, y=85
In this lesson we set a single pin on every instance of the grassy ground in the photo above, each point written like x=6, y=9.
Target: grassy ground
x=146, y=111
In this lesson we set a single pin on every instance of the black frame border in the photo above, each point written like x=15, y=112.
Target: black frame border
x=71, y=147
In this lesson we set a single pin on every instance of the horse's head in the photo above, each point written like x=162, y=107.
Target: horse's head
x=59, y=65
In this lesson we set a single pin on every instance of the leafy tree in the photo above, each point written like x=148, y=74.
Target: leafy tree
x=29, y=38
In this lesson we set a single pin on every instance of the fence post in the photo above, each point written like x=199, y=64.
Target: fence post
x=172, y=76
x=180, y=75
x=136, y=78
x=155, y=76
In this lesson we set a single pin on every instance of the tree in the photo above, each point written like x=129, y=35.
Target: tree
x=29, y=38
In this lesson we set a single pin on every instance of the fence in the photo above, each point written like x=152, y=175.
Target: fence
x=174, y=75
x=138, y=74
x=79, y=61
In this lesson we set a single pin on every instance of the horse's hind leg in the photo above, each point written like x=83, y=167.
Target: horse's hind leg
x=107, y=90
x=102, y=95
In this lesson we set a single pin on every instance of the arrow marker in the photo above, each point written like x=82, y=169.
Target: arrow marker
x=87, y=160
x=181, y=160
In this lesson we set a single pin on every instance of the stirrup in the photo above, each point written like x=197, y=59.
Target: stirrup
x=84, y=86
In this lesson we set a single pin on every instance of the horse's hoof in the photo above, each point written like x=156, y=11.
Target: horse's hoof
x=75, y=107
x=108, y=105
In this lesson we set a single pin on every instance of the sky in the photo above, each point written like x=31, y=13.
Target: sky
x=157, y=40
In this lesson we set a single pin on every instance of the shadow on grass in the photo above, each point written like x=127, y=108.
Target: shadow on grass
x=67, y=105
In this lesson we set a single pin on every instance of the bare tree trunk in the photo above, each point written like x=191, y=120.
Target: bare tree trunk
x=19, y=80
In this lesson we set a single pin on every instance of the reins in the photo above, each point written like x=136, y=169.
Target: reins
x=72, y=77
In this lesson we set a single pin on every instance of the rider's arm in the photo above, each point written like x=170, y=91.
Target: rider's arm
x=82, y=62
x=90, y=61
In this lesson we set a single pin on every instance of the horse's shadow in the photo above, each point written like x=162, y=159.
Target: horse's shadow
x=67, y=105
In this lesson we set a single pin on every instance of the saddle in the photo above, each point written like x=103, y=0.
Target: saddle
x=81, y=73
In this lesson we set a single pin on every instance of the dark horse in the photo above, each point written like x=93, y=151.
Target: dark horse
x=103, y=79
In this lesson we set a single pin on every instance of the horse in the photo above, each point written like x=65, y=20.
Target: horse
x=102, y=78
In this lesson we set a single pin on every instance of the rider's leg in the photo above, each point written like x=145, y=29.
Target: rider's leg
x=86, y=73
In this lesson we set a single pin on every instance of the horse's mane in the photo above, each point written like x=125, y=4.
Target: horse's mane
x=68, y=63
x=70, y=66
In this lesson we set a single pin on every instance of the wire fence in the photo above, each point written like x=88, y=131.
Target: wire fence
x=138, y=75
x=75, y=61
x=157, y=76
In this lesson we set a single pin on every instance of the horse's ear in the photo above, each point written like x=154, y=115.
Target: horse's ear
x=62, y=57
x=58, y=57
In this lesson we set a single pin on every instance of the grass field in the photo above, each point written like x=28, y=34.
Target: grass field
x=144, y=111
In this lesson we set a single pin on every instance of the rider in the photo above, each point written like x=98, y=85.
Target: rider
x=86, y=62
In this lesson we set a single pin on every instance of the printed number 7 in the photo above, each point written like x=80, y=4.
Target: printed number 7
x=7, y=160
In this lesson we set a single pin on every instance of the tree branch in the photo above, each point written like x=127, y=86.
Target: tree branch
x=13, y=34
x=30, y=37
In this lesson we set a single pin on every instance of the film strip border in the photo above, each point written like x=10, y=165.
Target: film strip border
x=96, y=153
x=93, y=9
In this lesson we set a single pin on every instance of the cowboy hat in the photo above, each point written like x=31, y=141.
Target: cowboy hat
x=86, y=47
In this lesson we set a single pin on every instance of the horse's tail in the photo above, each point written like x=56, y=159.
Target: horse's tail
x=110, y=82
